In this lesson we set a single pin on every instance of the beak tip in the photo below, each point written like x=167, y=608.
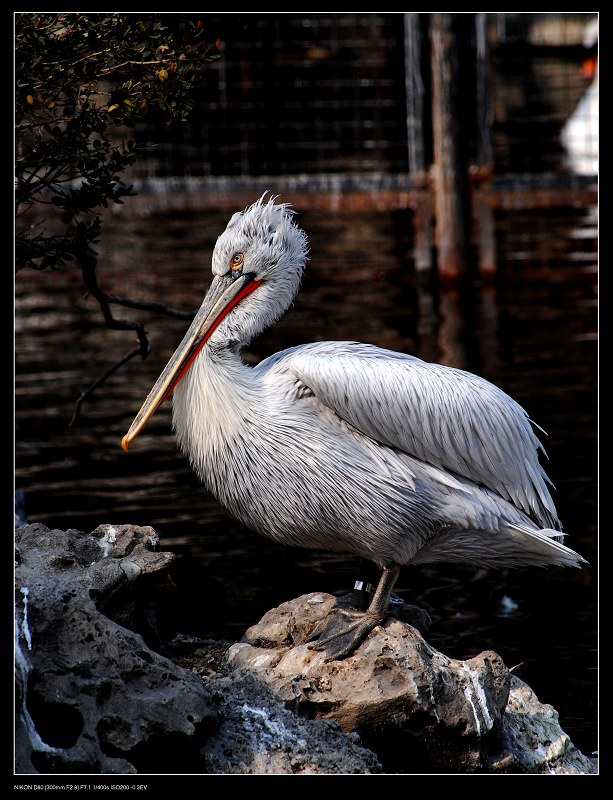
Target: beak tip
x=125, y=443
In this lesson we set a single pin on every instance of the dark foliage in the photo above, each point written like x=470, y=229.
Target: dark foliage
x=82, y=80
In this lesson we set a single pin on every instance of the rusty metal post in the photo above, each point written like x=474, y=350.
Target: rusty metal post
x=416, y=141
x=483, y=216
x=449, y=174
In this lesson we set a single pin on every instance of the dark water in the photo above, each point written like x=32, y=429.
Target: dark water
x=533, y=332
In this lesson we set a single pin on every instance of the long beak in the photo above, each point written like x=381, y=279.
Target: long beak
x=224, y=293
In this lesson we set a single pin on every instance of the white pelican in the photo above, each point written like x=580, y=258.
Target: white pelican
x=580, y=133
x=346, y=446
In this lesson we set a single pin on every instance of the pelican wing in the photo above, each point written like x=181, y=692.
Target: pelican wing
x=443, y=416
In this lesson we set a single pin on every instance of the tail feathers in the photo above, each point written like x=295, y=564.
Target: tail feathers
x=547, y=546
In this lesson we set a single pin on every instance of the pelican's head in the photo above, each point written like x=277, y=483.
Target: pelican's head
x=257, y=265
x=274, y=248
x=262, y=247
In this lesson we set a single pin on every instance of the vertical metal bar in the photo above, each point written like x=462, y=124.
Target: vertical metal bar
x=449, y=174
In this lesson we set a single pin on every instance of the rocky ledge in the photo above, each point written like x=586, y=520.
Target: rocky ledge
x=99, y=692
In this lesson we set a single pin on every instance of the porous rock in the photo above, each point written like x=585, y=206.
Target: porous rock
x=418, y=709
x=93, y=696
x=258, y=735
x=100, y=692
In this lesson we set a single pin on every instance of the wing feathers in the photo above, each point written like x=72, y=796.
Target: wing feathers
x=443, y=416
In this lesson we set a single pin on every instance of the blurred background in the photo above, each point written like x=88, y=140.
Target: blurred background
x=445, y=169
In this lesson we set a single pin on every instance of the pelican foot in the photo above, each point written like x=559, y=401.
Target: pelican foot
x=341, y=633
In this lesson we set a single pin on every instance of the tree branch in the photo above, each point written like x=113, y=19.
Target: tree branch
x=99, y=381
x=90, y=280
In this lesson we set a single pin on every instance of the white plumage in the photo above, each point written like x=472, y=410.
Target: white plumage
x=346, y=446
x=580, y=132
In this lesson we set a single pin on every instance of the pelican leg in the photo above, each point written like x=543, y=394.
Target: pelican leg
x=363, y=587
x=342, y=632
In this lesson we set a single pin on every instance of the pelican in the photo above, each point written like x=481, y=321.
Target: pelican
x=346, y=446
x=580, y=132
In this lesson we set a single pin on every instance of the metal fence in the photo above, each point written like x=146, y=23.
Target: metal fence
x=344, y=94
x=449, y=116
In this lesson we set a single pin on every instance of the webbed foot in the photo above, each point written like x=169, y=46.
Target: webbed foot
x=345, y=628
x=342, y=632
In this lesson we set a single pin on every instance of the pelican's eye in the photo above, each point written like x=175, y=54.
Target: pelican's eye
x=237, y=261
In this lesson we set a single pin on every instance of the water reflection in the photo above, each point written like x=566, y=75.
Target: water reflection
x=532, y=332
